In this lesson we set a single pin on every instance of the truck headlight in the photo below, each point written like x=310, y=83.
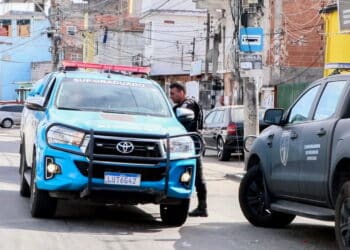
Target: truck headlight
x=63, y=136
x=181, y=147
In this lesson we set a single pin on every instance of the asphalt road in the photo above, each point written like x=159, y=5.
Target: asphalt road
x=86, y=226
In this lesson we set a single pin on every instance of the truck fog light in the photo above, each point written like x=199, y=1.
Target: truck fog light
x=51, y=168
x=185, y=177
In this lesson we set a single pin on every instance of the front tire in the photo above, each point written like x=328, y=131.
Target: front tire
x=7, y=123
x=175, y=215
x=253, y=204
x=342, y=216
x=222, y=153
x=24, y=189
x=40, y=203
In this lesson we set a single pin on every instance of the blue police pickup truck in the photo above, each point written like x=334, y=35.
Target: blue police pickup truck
x=108, y=138
x=301, y=164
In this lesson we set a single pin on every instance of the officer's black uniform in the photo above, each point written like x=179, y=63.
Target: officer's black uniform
x=195, y=126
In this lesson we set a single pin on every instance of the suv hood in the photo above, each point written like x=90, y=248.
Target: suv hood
x=122, y=123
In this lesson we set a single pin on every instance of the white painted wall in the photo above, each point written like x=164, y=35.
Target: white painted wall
x=6, y=7
x=168, y=5
x=119, y=48
x=169, y=36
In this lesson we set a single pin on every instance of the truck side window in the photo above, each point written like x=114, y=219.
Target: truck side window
x=301, y=109
x=329, y=100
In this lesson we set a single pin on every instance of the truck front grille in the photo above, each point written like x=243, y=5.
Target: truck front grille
x=105, y=146
x=147, y=173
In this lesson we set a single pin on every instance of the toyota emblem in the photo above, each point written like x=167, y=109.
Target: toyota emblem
x=125, y=147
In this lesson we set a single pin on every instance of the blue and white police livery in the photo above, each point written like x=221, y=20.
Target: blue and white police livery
x=105, y=137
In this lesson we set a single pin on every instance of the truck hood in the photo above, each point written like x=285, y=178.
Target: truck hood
x=122, y=123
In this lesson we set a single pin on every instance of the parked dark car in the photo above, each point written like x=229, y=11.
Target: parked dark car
x=10, y=114
x=223, y=130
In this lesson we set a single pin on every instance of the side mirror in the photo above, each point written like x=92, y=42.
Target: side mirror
x=35, y=103
x=273, y=116
x=184, y=115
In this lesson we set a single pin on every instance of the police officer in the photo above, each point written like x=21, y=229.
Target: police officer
x=178, y=95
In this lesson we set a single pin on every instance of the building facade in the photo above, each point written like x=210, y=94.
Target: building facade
x=23, y=41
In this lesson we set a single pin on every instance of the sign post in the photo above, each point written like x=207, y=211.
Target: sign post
x=344, y=16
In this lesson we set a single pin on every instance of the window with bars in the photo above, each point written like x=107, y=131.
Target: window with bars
x=71, y=30
x=5, y=27
x=23, y=28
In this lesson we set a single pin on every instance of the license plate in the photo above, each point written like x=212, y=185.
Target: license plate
x=124, y=179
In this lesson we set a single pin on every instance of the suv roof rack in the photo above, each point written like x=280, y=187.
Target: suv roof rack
x=338, y=67
x=74, y=65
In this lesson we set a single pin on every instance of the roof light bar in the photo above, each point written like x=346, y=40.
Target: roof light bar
x=81, y=65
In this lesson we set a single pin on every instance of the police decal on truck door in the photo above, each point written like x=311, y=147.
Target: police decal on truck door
x=284, y=147
x=312, y=151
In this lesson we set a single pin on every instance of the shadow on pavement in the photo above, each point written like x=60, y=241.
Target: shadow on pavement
x=9, y=175
x=215, y=235
x=9, y=146
x=74, y=216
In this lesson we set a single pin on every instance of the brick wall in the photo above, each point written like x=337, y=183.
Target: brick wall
x=298, y=37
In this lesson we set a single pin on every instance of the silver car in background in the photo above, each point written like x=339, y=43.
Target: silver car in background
x=10, y=114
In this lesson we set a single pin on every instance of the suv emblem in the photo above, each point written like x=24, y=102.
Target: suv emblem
x=125, y=147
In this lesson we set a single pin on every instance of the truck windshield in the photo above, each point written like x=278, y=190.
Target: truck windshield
x=112, y=96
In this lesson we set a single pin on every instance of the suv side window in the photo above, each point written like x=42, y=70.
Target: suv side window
x=302, y=107
x=12, y=108
x=209, y=119
x=219, y=116
x=329, y=100
x=6, y=109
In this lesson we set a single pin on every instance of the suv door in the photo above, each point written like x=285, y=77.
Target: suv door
x=286, y=145
x=208, y=129
x=316, y=143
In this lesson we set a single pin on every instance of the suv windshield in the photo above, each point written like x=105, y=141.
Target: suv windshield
x=111, y=96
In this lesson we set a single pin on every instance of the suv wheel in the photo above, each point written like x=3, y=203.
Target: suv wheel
x=175, y=215
x=24, y=189
x=41, y=204
x=222, y=153
x=342, y=215
x=7, y=123
x=253, y=204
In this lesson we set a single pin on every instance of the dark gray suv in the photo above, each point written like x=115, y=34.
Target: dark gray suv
x=301, y=164
x=223, y=130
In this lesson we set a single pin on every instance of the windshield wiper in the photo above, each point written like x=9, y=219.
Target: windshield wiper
x=67, y=108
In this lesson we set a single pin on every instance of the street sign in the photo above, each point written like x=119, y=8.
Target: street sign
x=344, y=15
x=251, y=39
x=249, y=61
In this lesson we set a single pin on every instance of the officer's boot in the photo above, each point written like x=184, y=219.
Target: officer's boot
x=201, y=210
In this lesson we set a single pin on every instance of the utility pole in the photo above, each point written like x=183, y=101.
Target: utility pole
x=193, y=48
x=55, y=34
x=207, y=44
x=251, y=46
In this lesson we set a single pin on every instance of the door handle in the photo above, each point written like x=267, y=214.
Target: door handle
x=293, y=135
x=322, y=132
